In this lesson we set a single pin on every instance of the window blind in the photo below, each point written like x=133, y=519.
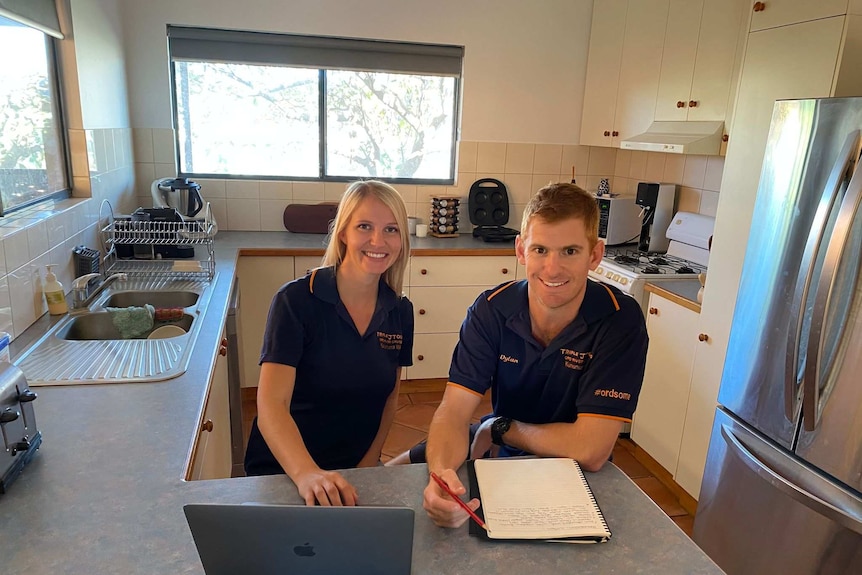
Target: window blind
x=207, y=44
x=39, y=14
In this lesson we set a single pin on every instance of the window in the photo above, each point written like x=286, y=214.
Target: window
x=283, y=106
x=32, y=153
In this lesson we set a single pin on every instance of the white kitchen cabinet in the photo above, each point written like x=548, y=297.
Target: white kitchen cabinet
x=302, y=265
x=626, y=40
x=775, y=13
x=658, y=422
x=698, y=61
x=213, y=453
x=813, y=59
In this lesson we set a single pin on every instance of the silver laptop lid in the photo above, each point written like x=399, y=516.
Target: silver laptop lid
x=299, y=540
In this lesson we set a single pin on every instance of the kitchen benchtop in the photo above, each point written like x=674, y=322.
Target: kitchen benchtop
x=683, y=292
x=105, y=492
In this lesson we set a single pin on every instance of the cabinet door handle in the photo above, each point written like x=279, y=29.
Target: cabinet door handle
x=607, y=133
x=615, y=133
x=680, y=104
x=692, y=103
x=505, y=271
x=423, y=272
x=421, y=312
x=420, y=357
x=725, y=138
x=703, y=337
x=207, y=425
x=759, y=6
x=653, y=311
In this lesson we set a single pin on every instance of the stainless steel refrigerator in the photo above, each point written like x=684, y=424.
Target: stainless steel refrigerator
x=782, y=487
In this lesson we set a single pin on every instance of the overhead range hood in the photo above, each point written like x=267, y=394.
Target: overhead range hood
x=678, y=138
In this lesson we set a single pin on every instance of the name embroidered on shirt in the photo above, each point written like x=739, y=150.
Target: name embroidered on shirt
x=506, y=359
x=390, y=340
x=575, y=359
x=613, y=393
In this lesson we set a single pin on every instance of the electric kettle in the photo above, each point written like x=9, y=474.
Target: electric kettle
x=181, y=194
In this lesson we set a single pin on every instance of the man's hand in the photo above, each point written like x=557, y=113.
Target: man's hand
x=327, y=488
x=440, y=508
x=482, y=440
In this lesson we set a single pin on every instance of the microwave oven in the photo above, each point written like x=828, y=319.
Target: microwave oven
x=619, y=220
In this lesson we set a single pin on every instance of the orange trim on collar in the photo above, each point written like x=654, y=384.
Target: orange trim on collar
x=490, y=297
x=613, y=297
x=458, y=385
x=311, y=280
x=602, y=416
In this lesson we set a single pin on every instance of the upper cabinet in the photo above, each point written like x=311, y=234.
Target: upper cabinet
x=659, y=60
x=626, y=39
x=697, y=66
x=775, y=13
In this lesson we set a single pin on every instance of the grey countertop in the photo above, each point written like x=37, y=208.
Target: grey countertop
x=105, y=492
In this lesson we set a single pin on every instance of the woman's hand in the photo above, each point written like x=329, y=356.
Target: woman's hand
x=328, y=488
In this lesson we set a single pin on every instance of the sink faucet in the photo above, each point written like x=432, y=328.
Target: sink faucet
x=81, y=298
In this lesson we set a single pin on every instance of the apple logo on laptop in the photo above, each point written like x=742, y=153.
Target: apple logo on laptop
x=304, y=550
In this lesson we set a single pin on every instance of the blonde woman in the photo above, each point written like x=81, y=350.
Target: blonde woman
x=332, y=354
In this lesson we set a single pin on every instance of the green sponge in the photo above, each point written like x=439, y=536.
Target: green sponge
x=132, y=321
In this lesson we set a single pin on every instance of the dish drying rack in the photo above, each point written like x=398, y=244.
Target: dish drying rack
x=125, y=231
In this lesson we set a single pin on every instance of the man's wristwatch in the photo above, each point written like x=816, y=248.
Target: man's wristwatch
x=499, y=428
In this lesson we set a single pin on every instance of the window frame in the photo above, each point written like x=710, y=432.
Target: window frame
x=55, y=74
x=322, y=123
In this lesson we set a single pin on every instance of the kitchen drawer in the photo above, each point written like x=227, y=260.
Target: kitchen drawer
x=441, y=309
x=432, y=354
x=485, y=271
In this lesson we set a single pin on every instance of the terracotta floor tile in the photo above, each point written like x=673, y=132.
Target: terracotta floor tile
x=686, y=523
x=628, y=464
x=403, y=399
x=661, y=495
x=417, y=416
x=400, y=439
x=627, y=443
x=426, y=396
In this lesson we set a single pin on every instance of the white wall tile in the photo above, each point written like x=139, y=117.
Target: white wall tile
x=491, y=157
x=708, y=203
x=332, y=191
x=110, y=152
x=95, y=150
x=519, y=158
x=142, y=145
x=542, y=180
x=78, y=152
x=2, y=259
x=276, y=190
x=623, y=164
x=144, y=176
x=165, y=170
x=6, y=308
x=243, y=215
x=23, y=289
x=548, y=158
x=163, y=146
x=37, y=239
x=308, y=191
x=637, y=166
x=655, y=163
x=714, y=171
x=407, y=192
x=219, y=212
x=695, y=171
x=16, y=248
x=467, y=152
x=674, y=167
x=272, y=215
x=602, y=161
x=520, y=188
x=688, y=200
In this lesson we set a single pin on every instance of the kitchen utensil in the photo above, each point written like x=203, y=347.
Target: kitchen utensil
x=182, y=194
x=309, y=219
x=166, y=331
x=604, y=187
x=20, y=437
x=488, y=205
x=444, y=217
x=421, y=230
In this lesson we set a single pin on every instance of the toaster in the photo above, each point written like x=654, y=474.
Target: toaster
x=20, y=436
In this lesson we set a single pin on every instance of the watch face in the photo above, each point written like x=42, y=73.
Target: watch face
x=499, y=428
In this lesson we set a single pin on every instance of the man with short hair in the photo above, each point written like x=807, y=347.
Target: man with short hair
x=563, y=356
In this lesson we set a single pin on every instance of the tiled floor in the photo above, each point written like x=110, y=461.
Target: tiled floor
x=414, y=416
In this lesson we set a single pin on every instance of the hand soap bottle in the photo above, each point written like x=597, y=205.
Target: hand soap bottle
x=54, y=294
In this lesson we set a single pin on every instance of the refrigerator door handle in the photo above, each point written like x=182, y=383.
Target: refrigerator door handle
x=811, y=407
x=808, y=264
x=819, y=495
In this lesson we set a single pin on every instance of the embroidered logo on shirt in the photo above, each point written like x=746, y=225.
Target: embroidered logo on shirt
x=575, y=359
x=613, y=394
x=390, y=340
x=507, y=359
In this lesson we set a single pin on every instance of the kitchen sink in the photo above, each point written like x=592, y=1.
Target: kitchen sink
x=155, y=298
x=85, y=347
x=100, y=326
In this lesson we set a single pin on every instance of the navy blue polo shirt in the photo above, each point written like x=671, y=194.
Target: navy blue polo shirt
x=343, y=378
x=594, y=367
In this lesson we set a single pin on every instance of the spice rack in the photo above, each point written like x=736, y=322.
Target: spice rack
x=149, y=235
x=444, y=217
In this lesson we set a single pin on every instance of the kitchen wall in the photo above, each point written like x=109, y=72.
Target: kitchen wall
x=100, y=142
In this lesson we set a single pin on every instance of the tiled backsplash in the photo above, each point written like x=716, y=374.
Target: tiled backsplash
x=524, y=168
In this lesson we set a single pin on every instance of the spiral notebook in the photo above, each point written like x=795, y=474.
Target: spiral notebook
x=539, y=499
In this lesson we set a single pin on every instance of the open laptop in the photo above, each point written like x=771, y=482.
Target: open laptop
x=255, y=539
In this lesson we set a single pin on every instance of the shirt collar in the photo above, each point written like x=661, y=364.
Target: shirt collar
x=322, y=285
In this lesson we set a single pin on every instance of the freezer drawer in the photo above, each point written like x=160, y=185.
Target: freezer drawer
x=761, y=511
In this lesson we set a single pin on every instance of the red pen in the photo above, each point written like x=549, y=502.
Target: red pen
x=457, y=499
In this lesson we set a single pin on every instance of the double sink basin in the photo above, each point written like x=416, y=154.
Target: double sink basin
x=87, y=347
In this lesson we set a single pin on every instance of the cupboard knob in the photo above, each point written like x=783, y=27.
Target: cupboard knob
x=615, y=133
x=420, y=357
x=653, y=311
x=692, y=103
x=207, y=425
x=680, y=104
x=759, y=6
x=222, y=351
x=607, y=133
x=725, y=138
x=421, y=312
x=423, y=272
x=505, y=271
x=703, y=337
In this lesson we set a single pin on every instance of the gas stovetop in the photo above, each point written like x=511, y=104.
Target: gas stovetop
x=650, y=264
